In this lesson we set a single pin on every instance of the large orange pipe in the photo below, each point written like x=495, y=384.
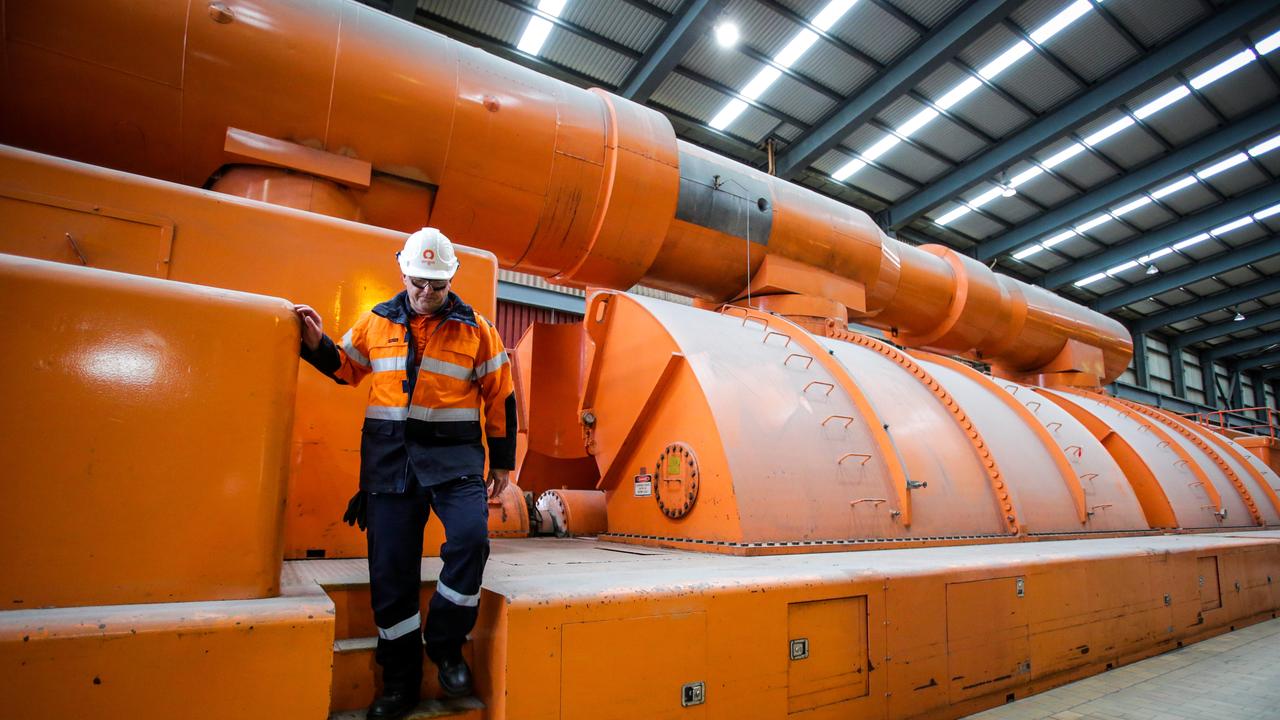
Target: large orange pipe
x=576, y=185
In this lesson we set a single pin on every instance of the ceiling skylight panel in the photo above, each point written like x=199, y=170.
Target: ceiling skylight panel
x=1090, y=280
x=1027, y=175
x=959, y=92
x=1025, y=253
x=539, y=28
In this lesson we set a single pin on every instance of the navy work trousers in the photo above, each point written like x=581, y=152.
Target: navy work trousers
x=396, y=523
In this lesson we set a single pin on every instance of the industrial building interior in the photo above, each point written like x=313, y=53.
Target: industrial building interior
x=873, y=358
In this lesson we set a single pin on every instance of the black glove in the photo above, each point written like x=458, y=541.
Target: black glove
x=357, y=511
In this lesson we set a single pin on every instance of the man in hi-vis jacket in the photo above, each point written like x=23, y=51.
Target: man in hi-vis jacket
x=436, y=369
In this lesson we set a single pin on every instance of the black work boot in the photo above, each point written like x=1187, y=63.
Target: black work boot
x=394, y=702
x=455, y=677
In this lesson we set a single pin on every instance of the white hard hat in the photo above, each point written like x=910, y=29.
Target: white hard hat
x=428, y=254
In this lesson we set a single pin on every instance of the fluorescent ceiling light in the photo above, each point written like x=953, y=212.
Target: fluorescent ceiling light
x=1222, y=165
x=1027, y=252
x=832, y=13
x=986, y=197
x=885, y=145
x=1092, y=223
x=761, y=82
x=952, y=215
x=1063, y=155
x=1263, y=214
x=917, y=121
x=795, y=49
x=1184, y=244
x=1269, y=43
x=1222, y=69
x=728, y=114
x=1059, y=238
x=1156, y=255
x=1090, y=280
x=1005, y=59
x=1027, y=175
x=848, y=169
x=1109, y=130
x=959, y=92
x=1162, y=102
x=1059, y=22
x=1265, y=146
x=1173, y=187
x=1233, y=225
x=1131, y=206
x=536, y=32
x=1122, y=267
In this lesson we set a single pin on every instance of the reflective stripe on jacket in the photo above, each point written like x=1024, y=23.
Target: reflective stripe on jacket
x=424, y=414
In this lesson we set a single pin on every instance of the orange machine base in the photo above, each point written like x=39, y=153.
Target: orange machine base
x=578, y=628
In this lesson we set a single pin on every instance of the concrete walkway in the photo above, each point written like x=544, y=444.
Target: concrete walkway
x=1235, y=676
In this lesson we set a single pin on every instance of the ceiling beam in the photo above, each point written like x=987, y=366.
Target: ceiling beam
x=680, y=34
x=1162, y=237
x=1098, y=198
x=1257, y=362
x=1237, y=347
x=403, y=9
x=1198, y=270
x=945, y=42
x=1255, y=319
x=1207, y=304
x=1206, y=36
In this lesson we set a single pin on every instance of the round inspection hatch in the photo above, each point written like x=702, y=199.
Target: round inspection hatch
x=676, y=480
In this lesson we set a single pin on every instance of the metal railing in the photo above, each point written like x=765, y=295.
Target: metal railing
x=1265, y=421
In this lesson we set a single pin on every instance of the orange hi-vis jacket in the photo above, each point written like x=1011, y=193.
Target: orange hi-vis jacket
x=427, y=395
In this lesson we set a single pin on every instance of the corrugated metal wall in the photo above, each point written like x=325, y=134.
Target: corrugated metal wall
x=513, y=319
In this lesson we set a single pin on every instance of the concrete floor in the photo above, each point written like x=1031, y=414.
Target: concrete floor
x=1230, y=677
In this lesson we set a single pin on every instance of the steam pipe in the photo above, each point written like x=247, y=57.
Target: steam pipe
x=579, y=186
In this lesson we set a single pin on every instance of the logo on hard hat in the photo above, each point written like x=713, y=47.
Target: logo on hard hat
x=429, y=255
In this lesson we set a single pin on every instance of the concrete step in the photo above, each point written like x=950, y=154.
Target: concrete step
x=467, y=708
